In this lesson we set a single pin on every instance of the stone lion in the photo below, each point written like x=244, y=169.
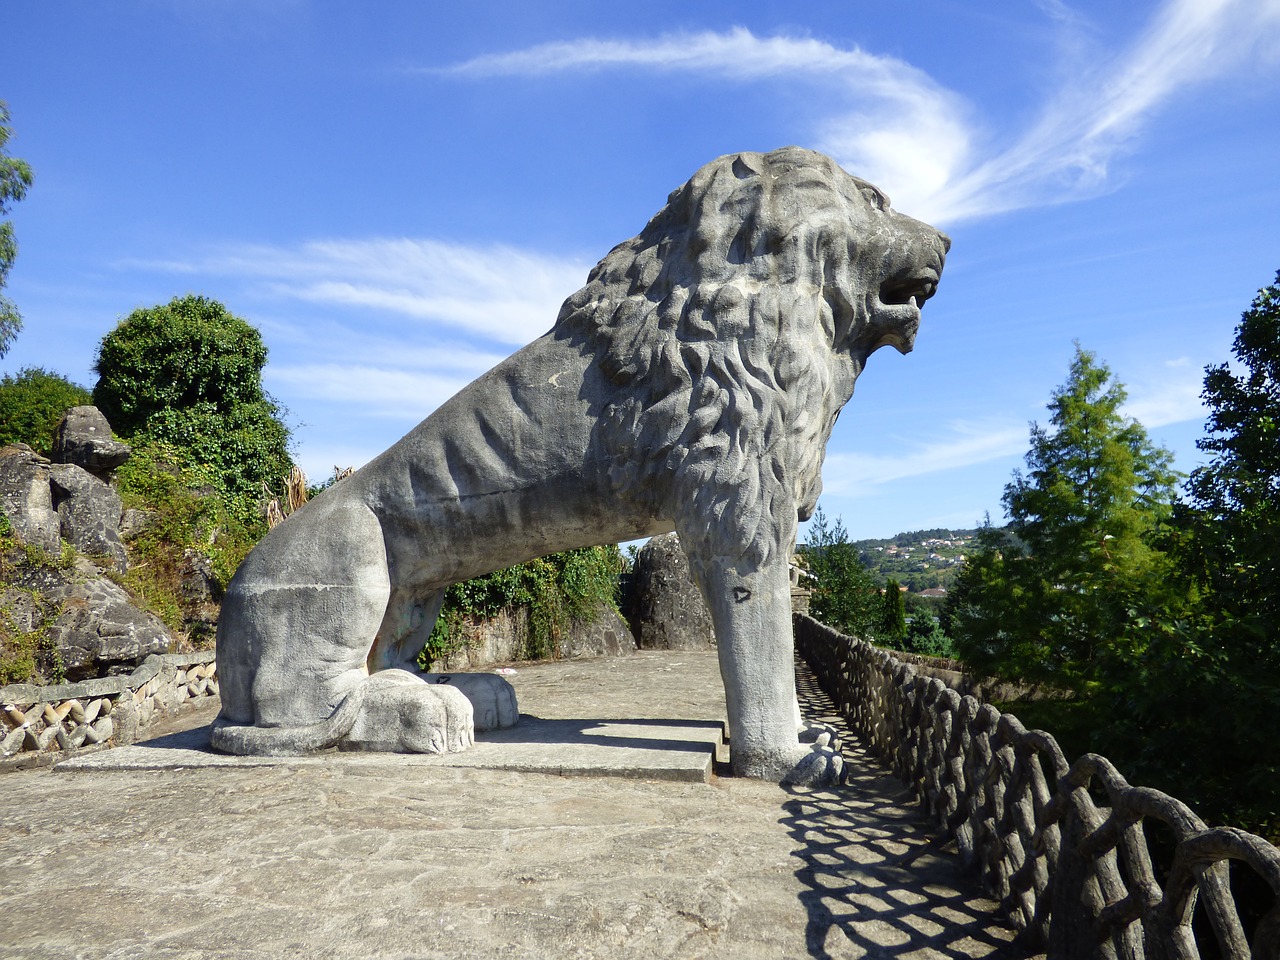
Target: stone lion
x=692, y=384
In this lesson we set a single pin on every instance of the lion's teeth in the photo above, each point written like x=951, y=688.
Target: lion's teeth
x=913, y=303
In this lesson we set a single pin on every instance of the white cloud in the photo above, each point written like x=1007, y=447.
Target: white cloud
x=398, y=392
x=1175, y=398
x=893, y=124
x=500, y=292
x=968, y=443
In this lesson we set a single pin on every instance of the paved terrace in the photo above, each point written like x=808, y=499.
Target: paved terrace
x=588, y=832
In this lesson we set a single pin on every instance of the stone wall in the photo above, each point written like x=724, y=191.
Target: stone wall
x=53, y=722
x=1062, y=847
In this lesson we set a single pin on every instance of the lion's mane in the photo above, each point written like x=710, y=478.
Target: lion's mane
x=731, y=330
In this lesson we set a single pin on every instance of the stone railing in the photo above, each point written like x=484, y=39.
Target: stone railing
x=56, y=720
x=1062, y=846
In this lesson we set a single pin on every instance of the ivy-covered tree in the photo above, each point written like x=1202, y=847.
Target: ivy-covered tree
x=15, y=179
x=189, y=374
x=843, y=592
x=32, y=403
x=1056, y=597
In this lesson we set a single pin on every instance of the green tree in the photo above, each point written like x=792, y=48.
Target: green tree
x=893, y=614
x=1211, y=703
x=844, y=594
x=1057, y=597
x=32, y=403
x=189, y=374
x=15, y=179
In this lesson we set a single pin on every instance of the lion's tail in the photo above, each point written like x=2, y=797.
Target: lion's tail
x=288, y=741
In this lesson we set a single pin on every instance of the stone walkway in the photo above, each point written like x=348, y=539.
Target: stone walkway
x=390, y=856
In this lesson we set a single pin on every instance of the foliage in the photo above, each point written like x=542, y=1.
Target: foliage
x=558, y=589
x=32, y=403
x=1058, y=598
x=918, y=559
x=926, y=636
x=184, y=513
x=1212, y=724
x=844, y=594
x=893, y=614
x=15, y=179
x=189, y=374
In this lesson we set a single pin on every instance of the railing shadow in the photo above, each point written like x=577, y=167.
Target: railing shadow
x=877, y=882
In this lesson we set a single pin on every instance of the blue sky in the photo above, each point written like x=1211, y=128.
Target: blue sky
x=400, y=194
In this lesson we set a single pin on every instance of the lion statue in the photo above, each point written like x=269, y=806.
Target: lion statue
x=692, y=384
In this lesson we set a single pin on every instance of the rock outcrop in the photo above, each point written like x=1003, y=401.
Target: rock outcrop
x=668, y=612
x=87, y=624
x=84, y=438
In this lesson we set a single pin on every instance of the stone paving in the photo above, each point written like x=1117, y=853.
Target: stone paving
x=386, y=856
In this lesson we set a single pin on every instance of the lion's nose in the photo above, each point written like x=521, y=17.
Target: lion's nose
x=946, y=242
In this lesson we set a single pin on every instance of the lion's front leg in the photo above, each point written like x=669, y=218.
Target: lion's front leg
x=751, y=611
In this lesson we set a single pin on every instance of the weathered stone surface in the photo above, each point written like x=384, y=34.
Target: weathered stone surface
x=19, y=610
x=691, y=385
x=607, y=636
x=668, y=612
x=25, y=497
x=89, y=511
x=84, y=438
x=134, y=522
x=99, y=629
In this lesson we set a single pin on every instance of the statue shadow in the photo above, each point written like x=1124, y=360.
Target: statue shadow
x=693, y=736
x=877, y=880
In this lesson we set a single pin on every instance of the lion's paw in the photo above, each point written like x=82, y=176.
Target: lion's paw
x=818, y=766
x=401, y=714
x=493, y=699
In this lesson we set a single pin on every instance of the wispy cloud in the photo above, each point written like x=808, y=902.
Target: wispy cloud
x=1172, y=397
x=892, y=123
x=896, y=125
x=502, y=293
x=966, y=443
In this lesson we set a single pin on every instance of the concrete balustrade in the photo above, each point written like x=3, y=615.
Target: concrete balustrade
x=51, y=722
x=1063, y=847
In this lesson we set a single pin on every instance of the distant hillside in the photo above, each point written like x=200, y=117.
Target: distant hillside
x=920, y=559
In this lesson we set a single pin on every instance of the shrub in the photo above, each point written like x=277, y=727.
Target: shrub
x=563, y=587
x=189, y=374
x=32, y=403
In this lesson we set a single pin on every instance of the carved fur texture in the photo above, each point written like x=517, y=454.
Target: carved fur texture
x=692, y=384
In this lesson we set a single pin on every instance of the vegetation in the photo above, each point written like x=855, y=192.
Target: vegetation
x=26, y=656
x=558, y=589
x=843, y=593
x=1158, y=616
x=1206, y=700
x=893, y=614
x=1056, y=597
x=184, y=516
x=188, y=375
x=15, y=179
x=32, y=403
x=918, y=559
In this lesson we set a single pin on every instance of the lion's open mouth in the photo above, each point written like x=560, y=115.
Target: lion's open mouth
x=896, y=309
x=910, y=291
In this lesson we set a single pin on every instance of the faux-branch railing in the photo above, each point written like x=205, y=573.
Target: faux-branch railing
x=1075, y=876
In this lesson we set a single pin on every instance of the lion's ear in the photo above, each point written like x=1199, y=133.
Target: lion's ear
x=746, y=166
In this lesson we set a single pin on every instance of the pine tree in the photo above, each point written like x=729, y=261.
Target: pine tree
x=893, y=615
x=1055, y=597
x=844, y=593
